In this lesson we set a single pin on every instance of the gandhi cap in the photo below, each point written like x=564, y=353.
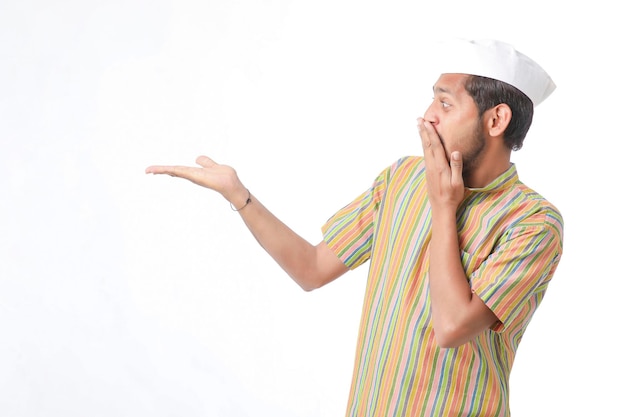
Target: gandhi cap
x=498, y=60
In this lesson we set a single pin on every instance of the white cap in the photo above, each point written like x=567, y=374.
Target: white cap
x=497, y=60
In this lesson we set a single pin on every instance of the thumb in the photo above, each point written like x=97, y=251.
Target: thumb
x=456, y=167
x=205, y=161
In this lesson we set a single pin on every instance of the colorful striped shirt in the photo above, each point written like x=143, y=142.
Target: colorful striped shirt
x=510, y=245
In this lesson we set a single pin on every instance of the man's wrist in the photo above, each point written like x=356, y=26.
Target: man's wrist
x=242, y=205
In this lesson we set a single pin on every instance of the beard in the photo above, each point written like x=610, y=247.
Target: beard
x=473, y=154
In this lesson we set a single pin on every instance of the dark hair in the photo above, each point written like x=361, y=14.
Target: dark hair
x=488, y=93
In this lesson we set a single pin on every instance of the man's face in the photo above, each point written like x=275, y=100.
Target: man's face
x=454, y=115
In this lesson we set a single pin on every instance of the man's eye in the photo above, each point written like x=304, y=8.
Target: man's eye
x=445, y=104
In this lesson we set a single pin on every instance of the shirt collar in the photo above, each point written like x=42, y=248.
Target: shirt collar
x=503, y=181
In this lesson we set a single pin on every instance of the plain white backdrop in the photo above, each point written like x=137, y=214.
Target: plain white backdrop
x=124, y=294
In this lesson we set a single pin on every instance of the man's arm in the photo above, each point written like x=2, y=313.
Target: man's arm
x=458, y=314
x=309, y=266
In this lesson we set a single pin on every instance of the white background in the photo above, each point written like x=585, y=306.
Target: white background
x=125, y=294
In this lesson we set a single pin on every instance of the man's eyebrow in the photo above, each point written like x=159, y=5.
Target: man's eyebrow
x=441, y=90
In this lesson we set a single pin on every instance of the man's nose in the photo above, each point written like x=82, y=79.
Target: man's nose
x=430, y=115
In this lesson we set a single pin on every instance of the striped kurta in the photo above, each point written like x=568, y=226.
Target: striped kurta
x=510, y=244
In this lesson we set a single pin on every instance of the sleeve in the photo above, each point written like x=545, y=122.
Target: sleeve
x=514, y=278
x=350, y=230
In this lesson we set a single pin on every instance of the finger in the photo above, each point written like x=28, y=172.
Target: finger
x=205, y=161
x=423, y=133
x=157, y=169
x=431, y=142
x=456, y=168
x=173, y=170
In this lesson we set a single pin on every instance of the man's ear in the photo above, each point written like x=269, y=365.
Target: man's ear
x=498, y=119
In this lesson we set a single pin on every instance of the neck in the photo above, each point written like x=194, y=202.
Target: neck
x=493, y=162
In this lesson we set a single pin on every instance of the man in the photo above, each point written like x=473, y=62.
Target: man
x=460, y=251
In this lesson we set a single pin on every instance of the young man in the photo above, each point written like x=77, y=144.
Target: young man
x=460, y=251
